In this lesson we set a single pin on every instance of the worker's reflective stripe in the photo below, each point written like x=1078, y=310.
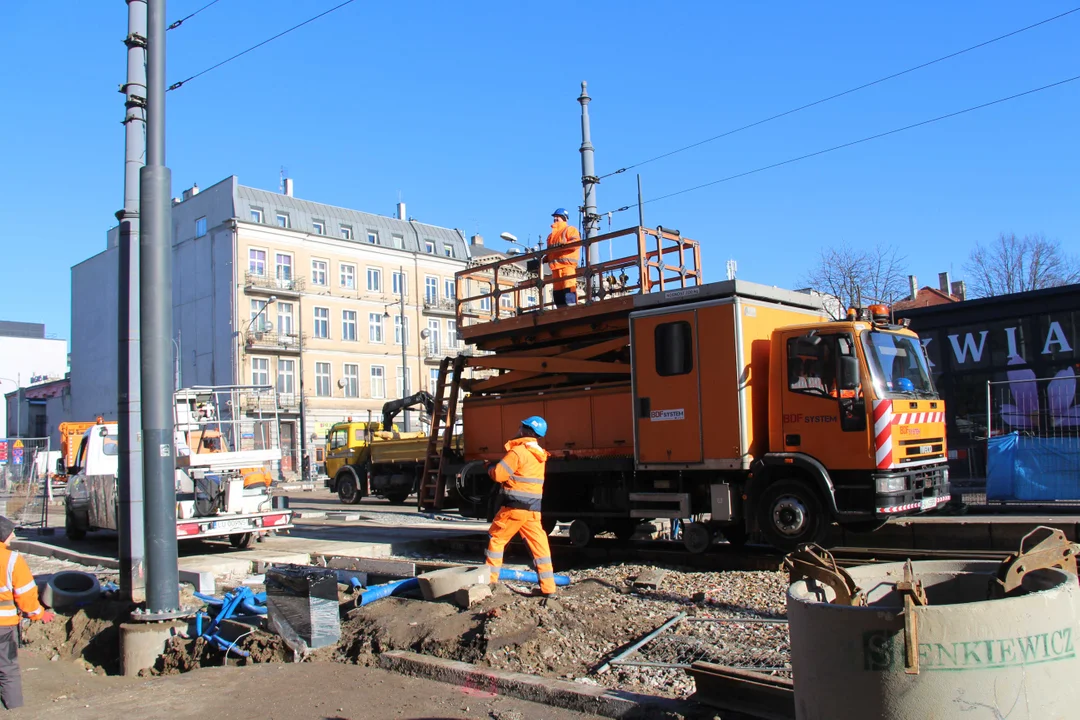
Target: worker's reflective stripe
x=562, y=261
x=32, y=613
x=543, y=561
x=493, y=555
x=8, y=612
x=529, y=481
x=517, y=500
x=25, y=588
x=530, y=490
x=506, y=467
x=546, y=575
x=11, y=567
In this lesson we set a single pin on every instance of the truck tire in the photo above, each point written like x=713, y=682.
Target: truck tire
x=399, y=498
x=241, y=541
x=790, y=514
x=348, y=490
x=697, y=537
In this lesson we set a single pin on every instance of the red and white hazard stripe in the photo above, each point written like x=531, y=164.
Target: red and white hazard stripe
x=883, y=422
x=916, y=418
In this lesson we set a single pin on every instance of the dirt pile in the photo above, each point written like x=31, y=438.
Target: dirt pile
x=92, y=634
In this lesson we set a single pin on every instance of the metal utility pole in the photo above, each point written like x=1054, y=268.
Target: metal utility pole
x=589, y=181
x=129, y=372
x=404, y=341
x=155, y=244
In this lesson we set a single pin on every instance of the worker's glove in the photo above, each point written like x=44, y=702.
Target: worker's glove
x=47, y=616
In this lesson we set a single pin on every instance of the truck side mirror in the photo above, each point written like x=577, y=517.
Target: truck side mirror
x=61, y=469
x=849, y=372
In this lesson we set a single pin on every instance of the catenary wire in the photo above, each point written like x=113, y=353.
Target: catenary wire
x=842, y=94
x=177, y=85
x=182, y=20
x=894, y=131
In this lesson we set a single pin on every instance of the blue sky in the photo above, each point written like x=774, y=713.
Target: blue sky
x=468, y=111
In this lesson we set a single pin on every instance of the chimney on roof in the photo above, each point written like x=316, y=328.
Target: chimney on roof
x=477, y=240
x=289, y=186
x=959, y=289
x=191, y=191
x=401, y=211
x=913, y=287
x=943, y=282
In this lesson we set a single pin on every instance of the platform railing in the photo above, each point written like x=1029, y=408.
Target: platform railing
x=664, y=260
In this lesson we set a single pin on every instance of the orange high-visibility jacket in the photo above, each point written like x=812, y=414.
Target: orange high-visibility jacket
x=563, y=234
x=521, y=474
x=19, y=593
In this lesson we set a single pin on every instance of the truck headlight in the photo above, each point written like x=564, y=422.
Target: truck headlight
x=891, y=484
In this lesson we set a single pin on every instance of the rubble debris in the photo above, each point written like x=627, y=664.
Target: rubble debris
x=650, y=579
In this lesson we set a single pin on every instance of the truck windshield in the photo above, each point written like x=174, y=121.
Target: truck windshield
x=897, y=364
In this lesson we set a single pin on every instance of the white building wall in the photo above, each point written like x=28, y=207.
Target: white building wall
x=23, y=358
x=94, y=311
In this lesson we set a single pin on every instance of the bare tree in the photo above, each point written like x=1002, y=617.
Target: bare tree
x=1011, y=264
x=856, y=275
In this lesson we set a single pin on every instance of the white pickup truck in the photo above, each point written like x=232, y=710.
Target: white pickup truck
x=219, y=492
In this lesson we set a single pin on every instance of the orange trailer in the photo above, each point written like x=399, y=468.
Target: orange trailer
x=741, y=406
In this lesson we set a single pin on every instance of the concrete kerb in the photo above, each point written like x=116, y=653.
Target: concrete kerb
x=556, y=693
x=30, y=547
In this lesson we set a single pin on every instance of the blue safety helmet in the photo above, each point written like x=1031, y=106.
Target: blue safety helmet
x=537, y=424
x=560, y=212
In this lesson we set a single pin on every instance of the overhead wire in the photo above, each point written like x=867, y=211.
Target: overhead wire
x=177, y=85
x=834, y=148
x=845, y=92
x=182, y=20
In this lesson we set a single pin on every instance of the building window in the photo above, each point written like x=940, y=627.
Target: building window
x=375, y=327
x=485, y=302
x=451, y=333
x=318, y=227
x=449, y=289
x=374, y=280
x=256, y=215
x=348, y=276
x=257, y=262
x=400, y=282
x=200, y=227
x=431, y=290
x=260, y=371
x=433, y=380
x=322, y=323
x=378, y=381
x=373, y=237
x=530, y=300
x=448, y=250
x=400, y=321
x=433, y=337
x=283, y=267
x=401, y=389
x=429, y=247
x=322, y=379
x=399, y=242
x=674, y=343
x=505, y=300
x=286, y=376
x=285, y=318
x=346, y=232
x=258, y=322
x=348, y=325
x=352, y=380
x=282, y=220
x=318, y=272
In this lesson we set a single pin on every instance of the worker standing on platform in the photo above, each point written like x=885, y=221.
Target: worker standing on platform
x=563, y=263
x=19, y=595
x=521, y=475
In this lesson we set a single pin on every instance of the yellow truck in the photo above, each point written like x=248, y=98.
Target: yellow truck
x=366, y=459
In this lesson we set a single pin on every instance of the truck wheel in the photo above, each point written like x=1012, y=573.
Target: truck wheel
x=347, y=490
x=790, y=514
x=697, y=537
x=241, y=540
x=398, y=498
x=72, y=530
x=580, y=533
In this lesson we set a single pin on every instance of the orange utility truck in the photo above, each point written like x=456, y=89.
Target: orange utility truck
x=739, y=406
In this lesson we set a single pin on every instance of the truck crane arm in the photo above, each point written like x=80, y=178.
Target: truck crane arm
x=392, y=408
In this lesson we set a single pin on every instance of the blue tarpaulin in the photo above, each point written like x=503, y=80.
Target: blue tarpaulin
x=1032, y=468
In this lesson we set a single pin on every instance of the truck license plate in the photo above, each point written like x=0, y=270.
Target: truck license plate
x=928, y=503
x=926, y=449
x=233, y=524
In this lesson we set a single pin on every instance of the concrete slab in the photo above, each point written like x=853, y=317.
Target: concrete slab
x=342, y=516
x=447, y=581
x=203, y=581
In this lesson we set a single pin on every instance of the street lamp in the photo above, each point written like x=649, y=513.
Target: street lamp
x=176, y=347
x=404, y=341
x=18, y=404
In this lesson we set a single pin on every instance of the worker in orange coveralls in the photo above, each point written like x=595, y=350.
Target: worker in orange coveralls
x=18, y=595
x=563, y=263
x=521, y=475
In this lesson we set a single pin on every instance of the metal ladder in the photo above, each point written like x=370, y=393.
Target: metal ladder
x=443, y=419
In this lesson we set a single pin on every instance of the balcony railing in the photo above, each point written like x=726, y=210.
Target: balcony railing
x=442, y=307
x=270, y=340
x=275, y=285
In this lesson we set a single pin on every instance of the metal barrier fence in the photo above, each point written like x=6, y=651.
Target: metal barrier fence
x=1037, y=407
x=26, y=468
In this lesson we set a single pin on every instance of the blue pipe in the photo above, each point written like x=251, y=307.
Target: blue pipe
x=251, y=609
x=378, y=592
x=356, y=584
x=530, y=576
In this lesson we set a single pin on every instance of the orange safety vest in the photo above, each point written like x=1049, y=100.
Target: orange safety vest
x=521, y=474
x=563, y=234
x=19, y=592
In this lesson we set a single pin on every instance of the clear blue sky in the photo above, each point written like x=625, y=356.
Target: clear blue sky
x=469, y=111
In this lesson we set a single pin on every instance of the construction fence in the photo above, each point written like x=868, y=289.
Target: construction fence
x=26, y=469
